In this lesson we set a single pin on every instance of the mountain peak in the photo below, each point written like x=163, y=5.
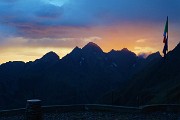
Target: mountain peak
x=174, y=54
x=92, y=47
x=125, y=50
x=153, y=56
x=50, y=56
x=112, y=51
x=177, y=48
x=76, y=51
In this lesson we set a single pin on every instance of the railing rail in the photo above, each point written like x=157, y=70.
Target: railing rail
x=98, y=107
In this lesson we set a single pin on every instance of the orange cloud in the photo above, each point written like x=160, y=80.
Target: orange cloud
x=127, y=35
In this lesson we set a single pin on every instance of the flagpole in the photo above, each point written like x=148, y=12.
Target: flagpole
x=167, y=28
x=167, y=32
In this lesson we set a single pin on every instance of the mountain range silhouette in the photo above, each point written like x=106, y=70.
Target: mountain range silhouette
x=86, y=76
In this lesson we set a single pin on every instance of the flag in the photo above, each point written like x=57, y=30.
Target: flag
x=165, y=40
x=165, y=31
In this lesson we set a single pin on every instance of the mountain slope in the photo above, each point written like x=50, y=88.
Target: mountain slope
x=158, y=82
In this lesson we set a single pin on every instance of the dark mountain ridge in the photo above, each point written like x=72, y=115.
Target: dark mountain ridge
x=82, y=76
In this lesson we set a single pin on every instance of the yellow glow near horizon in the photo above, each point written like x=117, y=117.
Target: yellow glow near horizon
x=139, y=38
x=30, y=54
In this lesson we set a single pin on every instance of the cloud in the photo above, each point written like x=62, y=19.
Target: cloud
x=144, y=55
x=141, y=40
x=144, y=51
x=92, y=39
x=36, y=30
x=35, y=19
x=86, y=13
x=49, y=12
x=48, y=42
x=140, y=50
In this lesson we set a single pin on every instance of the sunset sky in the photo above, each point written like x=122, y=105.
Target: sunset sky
x=31, y=28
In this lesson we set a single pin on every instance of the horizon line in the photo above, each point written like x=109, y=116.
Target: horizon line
x=143, y=54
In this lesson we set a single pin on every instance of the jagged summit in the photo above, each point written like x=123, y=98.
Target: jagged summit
x=178, y=45
x=75, y=52
x=177, y=48
x=92, y=47
x=91, y=44
x=50, y=56
x=88, y=50
x=174, y=54
x=125, y=49
x=112, y=50
x=76, y=49
x=153, y=56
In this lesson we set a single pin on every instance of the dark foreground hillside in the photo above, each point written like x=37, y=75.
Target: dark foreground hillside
x=157, y=83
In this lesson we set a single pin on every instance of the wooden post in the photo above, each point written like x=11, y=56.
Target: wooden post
x=34, y=110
